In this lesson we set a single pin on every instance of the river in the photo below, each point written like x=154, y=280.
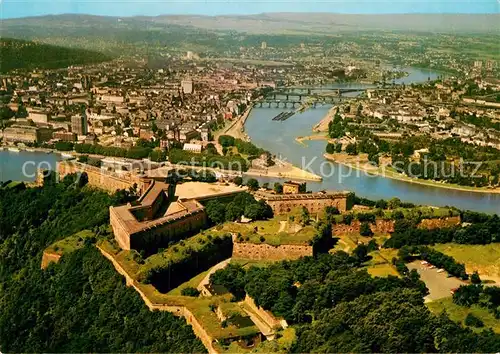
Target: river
x=279, y=138
x=22, y=166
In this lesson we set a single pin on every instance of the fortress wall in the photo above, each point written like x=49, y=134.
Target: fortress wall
x=387, y=226
x=121, y=235
x=268, y=252
x=380, y=227
x=98, y=178
x=160, y=236
x=267, y=316
x=447, y=222
x=180, y=311
x=313, y=205
x=48, y=258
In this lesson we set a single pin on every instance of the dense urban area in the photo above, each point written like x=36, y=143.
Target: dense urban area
x=164, y=228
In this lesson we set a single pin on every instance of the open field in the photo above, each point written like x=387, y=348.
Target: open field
x=458, y=313
x=71, y=243
x=276, y=231
x=381, y=263
x=485, y=259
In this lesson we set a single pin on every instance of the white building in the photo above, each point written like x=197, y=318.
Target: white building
x=196, y=148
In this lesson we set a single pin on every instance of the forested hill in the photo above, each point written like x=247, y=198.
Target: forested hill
x=19, y=54
x=80, y=304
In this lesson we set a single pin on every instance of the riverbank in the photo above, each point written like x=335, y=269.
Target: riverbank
x=284, y=170
x=322, y=126
x=237, y=128
x=302, y=139
x=387, y=172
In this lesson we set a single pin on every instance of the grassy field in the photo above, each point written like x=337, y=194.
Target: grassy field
x=458, y=313
x=276, y=231
x=183, y=249
x=71, y=243
x=191, y=283
x=381, y=263
x=483, y=258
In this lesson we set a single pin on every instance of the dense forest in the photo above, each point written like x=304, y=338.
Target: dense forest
x=80, y=304
x=19, y=54
x=337, y=307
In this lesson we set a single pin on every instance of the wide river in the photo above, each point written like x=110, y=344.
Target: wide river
x=279, y=138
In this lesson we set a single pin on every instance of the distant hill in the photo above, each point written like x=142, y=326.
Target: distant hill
x=275, y=23
x=20, y=54
x=328, y=23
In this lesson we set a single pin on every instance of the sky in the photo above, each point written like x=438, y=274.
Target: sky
x=24, y=8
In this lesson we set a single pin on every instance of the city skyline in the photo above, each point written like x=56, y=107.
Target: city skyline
x=27, y=8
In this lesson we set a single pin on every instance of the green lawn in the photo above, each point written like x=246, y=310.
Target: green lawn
x=458, y=313
x=71, y=243
x=183, y=249
x=191, y=283
x=483, y=258
x=381, y=263
x=291, y=233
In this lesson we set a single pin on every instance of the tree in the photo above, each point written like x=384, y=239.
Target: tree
x=278, y=188
x=360, y=252
x=21, y=111
x=216, y=211
x=255, y=211
x=351, y=149
x=330, y=148
x=227, y=141
x=253, y=184
x=381, y=204
x=305, y=217
x=232, y=277
x=394, y=203
x=190, y=291
x=234, y=211
x=238, y=180
x=473, y=321
x=365, y=230
x=475, y=279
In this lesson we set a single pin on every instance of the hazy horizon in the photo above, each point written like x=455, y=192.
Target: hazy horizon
x=30, y=8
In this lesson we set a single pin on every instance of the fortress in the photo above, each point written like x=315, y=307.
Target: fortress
x=100, y=177
x=314, y=202
x=165, y=213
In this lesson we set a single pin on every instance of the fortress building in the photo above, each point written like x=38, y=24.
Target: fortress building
x=165, y=214
x=314, y=202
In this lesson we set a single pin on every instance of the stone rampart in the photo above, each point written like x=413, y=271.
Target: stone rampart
x=254, y=251
x=176, y=310
x=446, y=222
x=99, y=178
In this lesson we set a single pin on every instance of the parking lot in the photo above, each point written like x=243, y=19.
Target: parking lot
x=438, y=283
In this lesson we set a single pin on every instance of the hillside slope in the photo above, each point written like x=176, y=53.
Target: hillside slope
x=20, y=54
